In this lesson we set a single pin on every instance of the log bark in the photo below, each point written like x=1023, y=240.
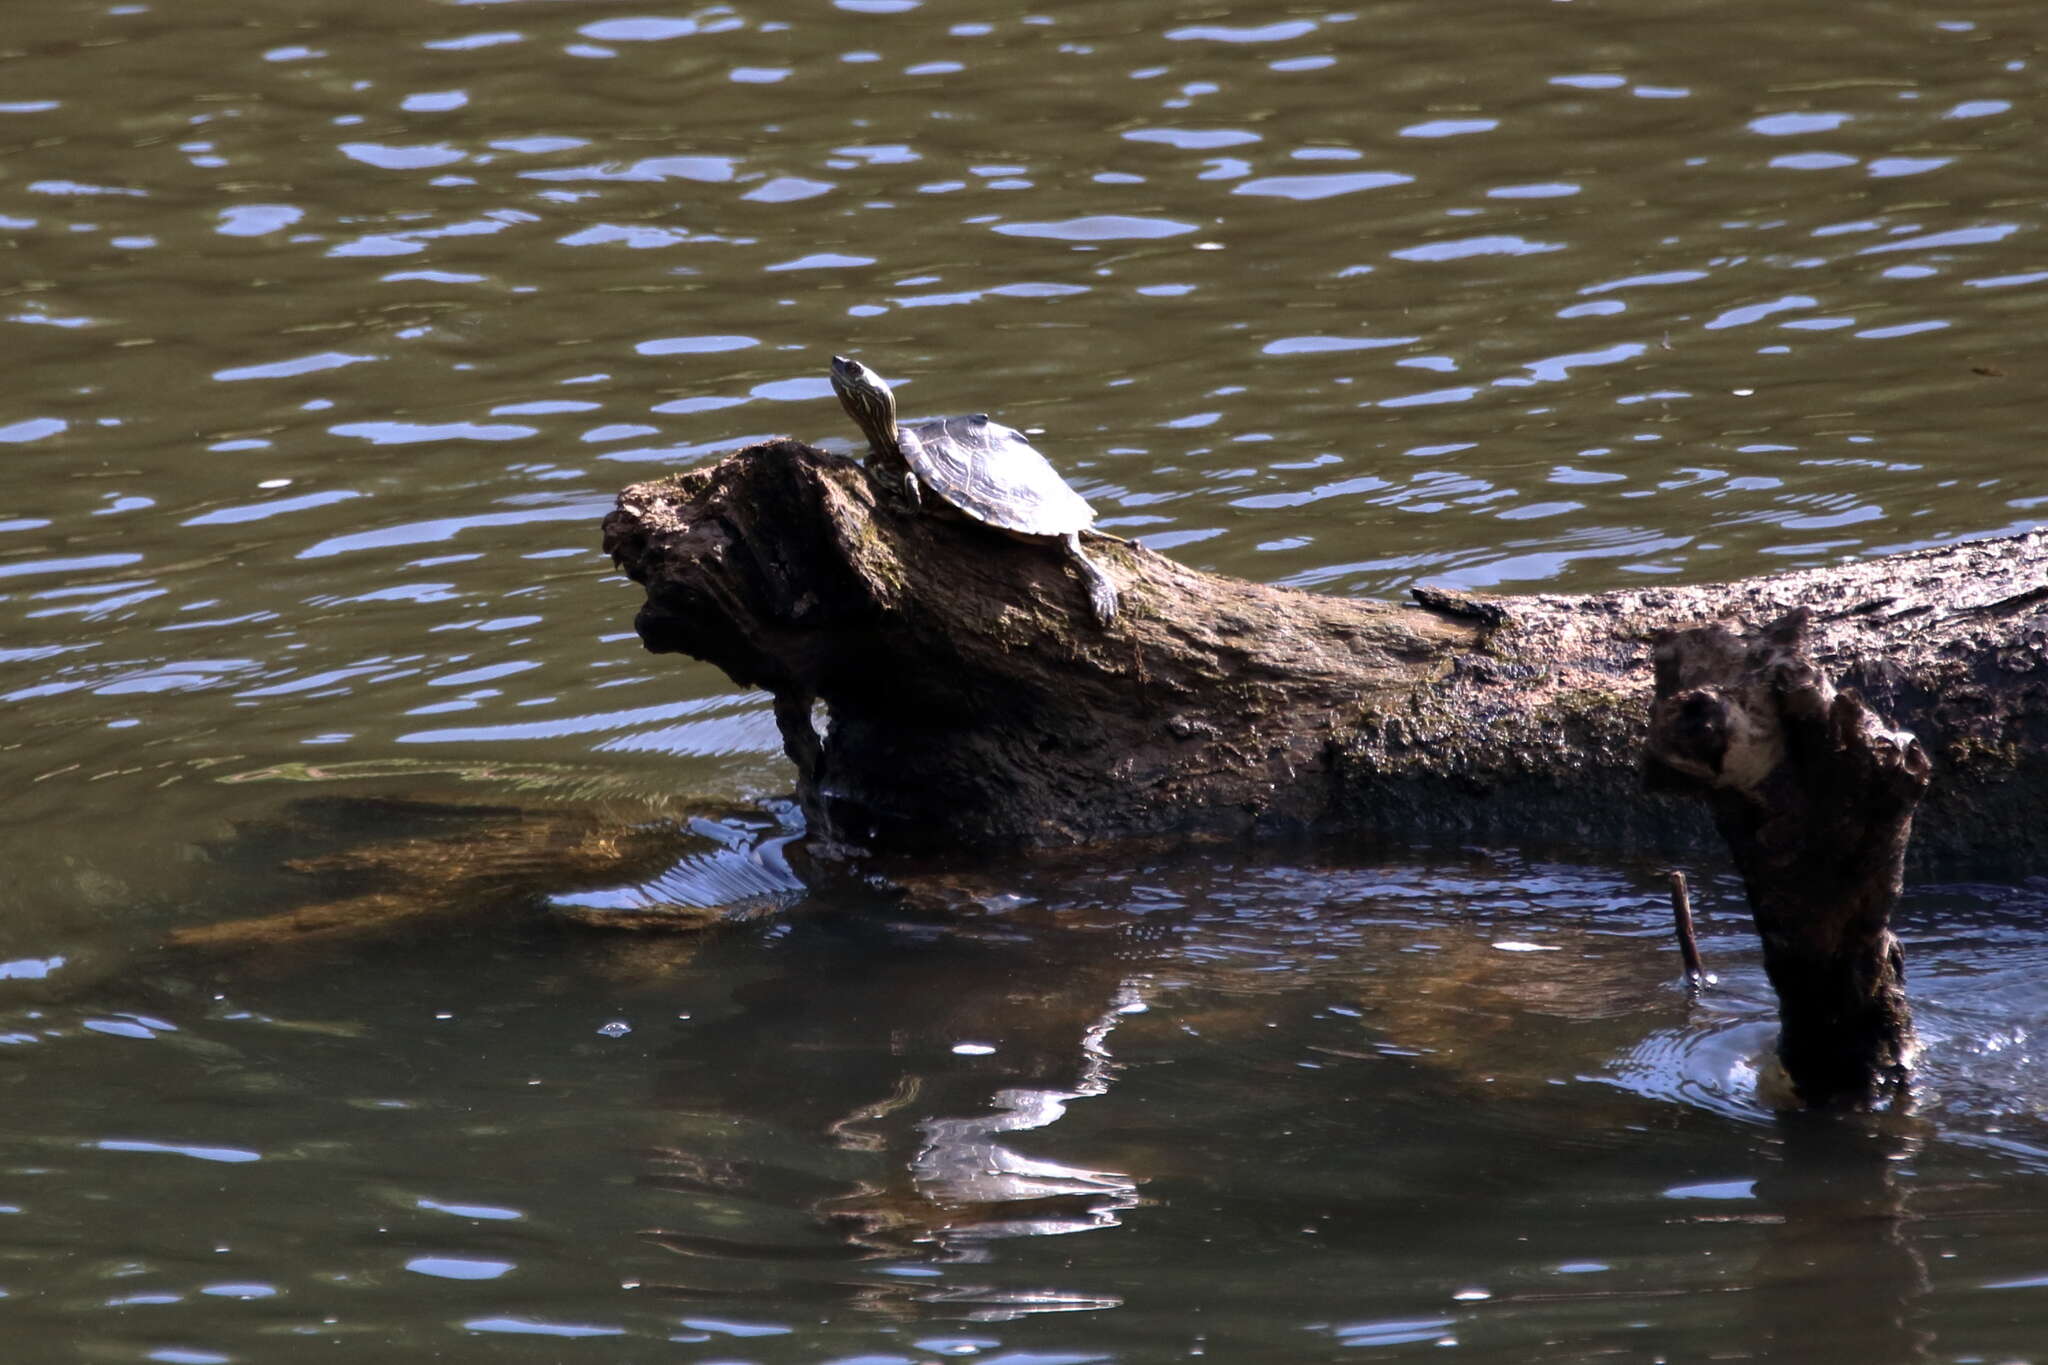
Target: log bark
x=941, y=687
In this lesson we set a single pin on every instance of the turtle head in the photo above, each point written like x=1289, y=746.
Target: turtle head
x=868, y=401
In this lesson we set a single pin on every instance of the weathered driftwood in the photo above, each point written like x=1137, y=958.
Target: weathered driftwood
x=968, y=701
x=1814, y=795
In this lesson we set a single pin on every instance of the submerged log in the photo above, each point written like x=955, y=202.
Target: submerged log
x=967, y=700
x=1814, y=795
x=368, y=868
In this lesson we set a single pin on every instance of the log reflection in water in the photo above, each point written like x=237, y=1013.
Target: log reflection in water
x=964, y=1165
x=1841, y=1274
x=899, y=1076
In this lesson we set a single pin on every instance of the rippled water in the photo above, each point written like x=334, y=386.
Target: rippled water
x=1248, y=1107
x=332, y=329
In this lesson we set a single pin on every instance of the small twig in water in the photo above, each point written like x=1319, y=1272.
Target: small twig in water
x=1688, y=946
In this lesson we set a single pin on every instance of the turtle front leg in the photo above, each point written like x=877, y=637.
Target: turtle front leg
x=912, y=489
x=1102, y=594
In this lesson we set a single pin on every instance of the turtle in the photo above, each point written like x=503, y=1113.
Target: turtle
x=977, y=467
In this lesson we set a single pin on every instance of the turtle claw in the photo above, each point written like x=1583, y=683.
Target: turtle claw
x=1102, y=594
x=1102, y=600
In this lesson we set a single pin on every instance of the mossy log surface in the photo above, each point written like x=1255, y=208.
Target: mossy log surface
x=969, y=701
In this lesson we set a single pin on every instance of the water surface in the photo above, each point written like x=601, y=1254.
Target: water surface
x=333, y=329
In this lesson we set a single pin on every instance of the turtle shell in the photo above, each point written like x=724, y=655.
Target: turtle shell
x=991, y=473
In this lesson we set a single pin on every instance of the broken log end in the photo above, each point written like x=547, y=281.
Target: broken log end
x=1814, y=795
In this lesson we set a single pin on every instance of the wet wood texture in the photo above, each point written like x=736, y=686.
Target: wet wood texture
x=1814, y=794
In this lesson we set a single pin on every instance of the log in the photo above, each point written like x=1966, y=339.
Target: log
x=372, y=867
x=432, y=866
x=1815, y=796
x=940, y=687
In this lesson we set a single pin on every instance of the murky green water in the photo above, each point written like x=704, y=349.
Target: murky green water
x=330, y=331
